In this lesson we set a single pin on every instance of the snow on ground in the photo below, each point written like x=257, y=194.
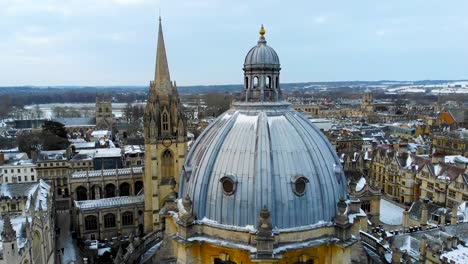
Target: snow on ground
x=390, y=213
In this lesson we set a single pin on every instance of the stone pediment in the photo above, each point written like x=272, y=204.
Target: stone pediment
x=368, y=190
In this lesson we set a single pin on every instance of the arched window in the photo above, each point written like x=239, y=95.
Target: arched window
x=124, y=189
x=81, y=193
x=138, y=186
x=90, y=222
x=109, y=220
x=268, y=82
x=255, y=82
x=96, y=192
x=277, y=82
x=110, y=190
x=167, y=163
x=165, y=122
x=365, y=206
x=100, y=109
x=37, y=248
x=127, y=218
x=246, y=82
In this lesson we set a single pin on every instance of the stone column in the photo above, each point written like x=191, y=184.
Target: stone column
x=454, y=218
x=406, y=224
x=442, y=221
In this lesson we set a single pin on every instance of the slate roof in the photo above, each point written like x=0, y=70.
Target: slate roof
x=109, y=202
x=416, y=208
x=107, y=173
x=76, y=121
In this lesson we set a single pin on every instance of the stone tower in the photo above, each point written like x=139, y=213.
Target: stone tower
x=10, y=246
x=367, y=103
x=104, y=118
x=165, y=139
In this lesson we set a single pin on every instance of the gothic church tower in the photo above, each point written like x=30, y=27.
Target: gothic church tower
x=165, y=139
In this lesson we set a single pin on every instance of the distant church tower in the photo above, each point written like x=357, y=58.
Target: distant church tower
x=165, y=139
x=104, y=118
x=367, y=103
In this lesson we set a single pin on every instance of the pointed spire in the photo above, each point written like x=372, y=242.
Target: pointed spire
x=162, y=79
x=8, y=234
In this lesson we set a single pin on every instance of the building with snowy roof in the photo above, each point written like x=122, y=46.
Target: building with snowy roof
x=444, y=245
x=107, y=203
x=27, y=225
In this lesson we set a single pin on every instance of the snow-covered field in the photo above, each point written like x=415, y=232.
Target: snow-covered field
x=390, y=214
x=444, y=88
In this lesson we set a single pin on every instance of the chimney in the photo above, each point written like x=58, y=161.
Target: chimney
x=405, y=220
x=442, y=221
x=396, y=256
x=424, y=212
x=422, y=249
x=454, y=218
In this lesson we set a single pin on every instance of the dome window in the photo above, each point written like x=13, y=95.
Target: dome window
x=299, y=185
x=229, y=184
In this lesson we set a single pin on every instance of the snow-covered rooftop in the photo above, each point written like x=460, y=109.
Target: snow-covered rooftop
x=107, y=152
x=107, y=173
x=459, y=255
x=109, y=202
x=390, y=213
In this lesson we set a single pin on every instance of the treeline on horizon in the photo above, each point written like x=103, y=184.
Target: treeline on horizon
x=19, y=96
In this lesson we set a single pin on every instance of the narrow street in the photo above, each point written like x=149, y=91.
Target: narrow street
x=70, y=253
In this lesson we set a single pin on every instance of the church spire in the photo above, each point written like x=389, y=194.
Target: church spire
x=162, y=79
x=8, y=233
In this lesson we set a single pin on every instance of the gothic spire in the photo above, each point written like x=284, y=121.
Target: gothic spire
x=162, y=79
x=8, y=233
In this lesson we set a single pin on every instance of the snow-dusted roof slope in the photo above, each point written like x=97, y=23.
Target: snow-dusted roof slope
x=110, y=172
x=109, y=202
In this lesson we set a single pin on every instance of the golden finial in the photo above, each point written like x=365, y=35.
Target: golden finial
x=262, y=31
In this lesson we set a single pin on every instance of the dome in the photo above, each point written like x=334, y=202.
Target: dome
x=259, y=155
x=261, y=55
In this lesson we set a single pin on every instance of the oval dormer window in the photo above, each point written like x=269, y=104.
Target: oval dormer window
x=299, y=185
x=228, y=183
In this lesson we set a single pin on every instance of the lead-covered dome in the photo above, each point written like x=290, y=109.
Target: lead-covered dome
x=263, y=154
x=261, y=55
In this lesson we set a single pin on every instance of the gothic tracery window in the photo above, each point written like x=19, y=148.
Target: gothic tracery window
x=167, y=164
x=127, y=218
x=165, y=122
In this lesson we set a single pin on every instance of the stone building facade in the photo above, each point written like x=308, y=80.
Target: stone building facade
x=107, y=203
x=28, y=236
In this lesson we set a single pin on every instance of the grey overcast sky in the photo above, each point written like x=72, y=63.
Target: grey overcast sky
x=113, y=42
